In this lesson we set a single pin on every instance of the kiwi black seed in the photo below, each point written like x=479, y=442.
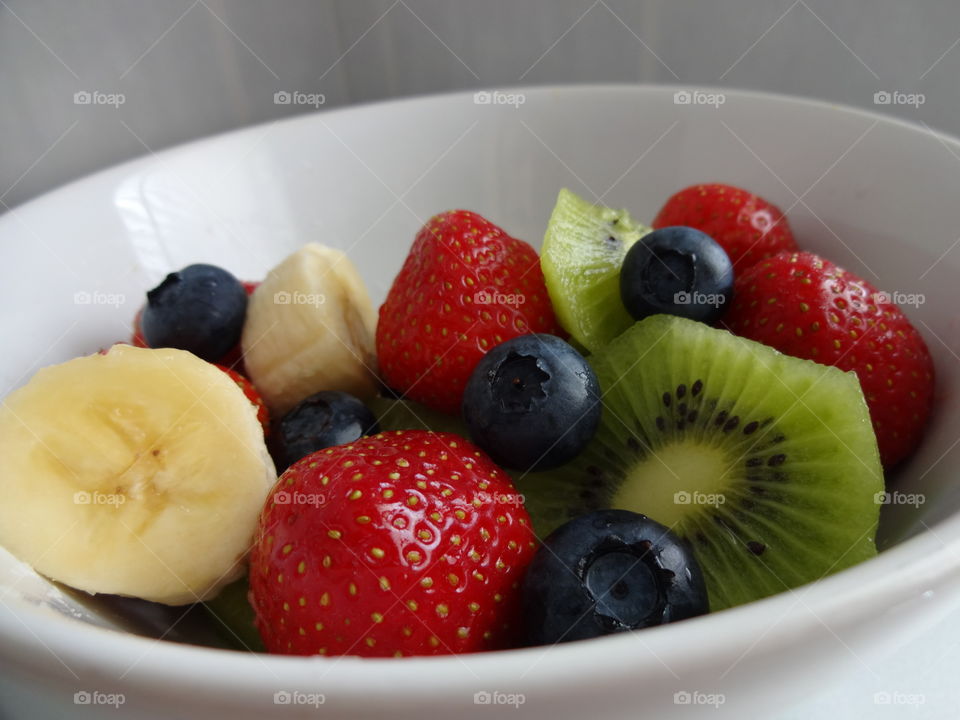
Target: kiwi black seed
x=766, y=464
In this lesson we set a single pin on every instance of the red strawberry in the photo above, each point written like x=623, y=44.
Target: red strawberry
x=465, y=287
x=253, y=396
x=403, y=543
x=233, y=359
x=745, y=225
x=137, y=339
x=806, y=306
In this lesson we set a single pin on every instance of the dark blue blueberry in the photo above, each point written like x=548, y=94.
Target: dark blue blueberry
x=320, y=421
x=607, y=572
x=532, y=403
x=677, y=271
x=200, y=308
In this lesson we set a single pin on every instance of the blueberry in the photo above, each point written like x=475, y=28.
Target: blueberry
x=200, y=308
x=676, y=271
x=320, y=421
x=532, y=403
x=607, y=572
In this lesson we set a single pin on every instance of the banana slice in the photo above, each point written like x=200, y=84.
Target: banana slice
x=310, y=327
x=137, y=472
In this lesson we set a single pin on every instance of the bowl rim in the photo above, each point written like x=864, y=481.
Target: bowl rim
x=919, y=564
x=151, y=157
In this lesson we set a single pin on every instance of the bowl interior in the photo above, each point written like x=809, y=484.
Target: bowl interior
x=874, y=194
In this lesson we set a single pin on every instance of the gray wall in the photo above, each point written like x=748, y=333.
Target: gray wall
x=189, y=68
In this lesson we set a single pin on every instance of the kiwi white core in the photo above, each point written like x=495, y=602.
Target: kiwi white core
x=680, y=478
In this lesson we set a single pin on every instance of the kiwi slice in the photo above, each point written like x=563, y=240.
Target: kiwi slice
x=581, y=257
x=232, y=616
x=393, y=414
x=767, y=464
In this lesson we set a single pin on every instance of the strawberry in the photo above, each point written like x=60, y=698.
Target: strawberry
x=403, y=543
x=253, y=396
x=233, y=359
x=137, y=339
x=465, y=287
x=806, y=306
x=745, y=225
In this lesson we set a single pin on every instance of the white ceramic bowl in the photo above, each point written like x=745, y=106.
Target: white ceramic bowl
x=877, y=195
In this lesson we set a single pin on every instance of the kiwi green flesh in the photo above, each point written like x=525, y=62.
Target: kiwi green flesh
x=583, y=250
x=393, y=414
x=233, y=616
x=766, y=464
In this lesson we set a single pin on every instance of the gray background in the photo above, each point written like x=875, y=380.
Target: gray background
x=189, y=68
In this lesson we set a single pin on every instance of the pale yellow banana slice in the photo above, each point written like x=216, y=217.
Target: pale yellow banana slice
x=310, y=327
x=137, y=472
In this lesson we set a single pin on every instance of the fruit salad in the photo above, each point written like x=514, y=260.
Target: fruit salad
x=636, y=426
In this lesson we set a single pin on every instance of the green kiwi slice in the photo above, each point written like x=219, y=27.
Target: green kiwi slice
x=393, y=414
x=583, y=250
x=765, y=463
x=233, y=616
